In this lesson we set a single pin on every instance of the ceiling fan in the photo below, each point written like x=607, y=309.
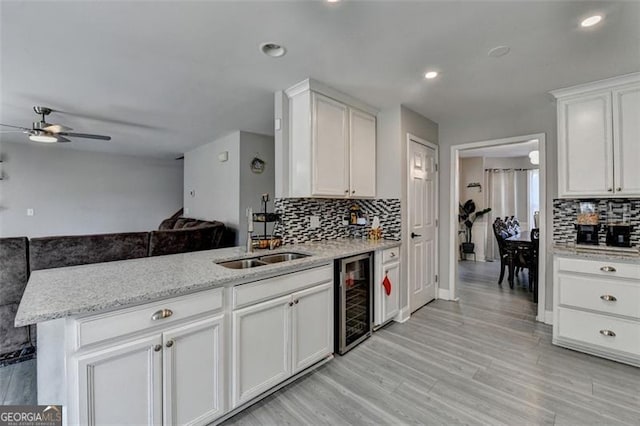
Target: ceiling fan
x=42, y=131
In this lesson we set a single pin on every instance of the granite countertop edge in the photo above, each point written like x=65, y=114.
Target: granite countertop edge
x=79, y=290
x=604, y=253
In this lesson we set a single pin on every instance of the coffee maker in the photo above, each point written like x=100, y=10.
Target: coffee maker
x=588, y=223
x=619, y=224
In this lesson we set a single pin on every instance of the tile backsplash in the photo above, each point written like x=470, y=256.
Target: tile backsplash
x=295, y=212
x=565, y=213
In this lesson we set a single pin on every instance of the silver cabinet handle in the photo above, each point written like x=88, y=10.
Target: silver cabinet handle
x=609, y=189
x=170, y=343
x=608, y=298
x=157, y=348
x=608, y=333
x=161, y=314
x=393, y=254
x=608, y=269
x=618, y=189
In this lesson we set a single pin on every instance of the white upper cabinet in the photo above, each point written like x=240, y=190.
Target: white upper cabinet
x=599, y=138
x=326, y=146
x=626, y=140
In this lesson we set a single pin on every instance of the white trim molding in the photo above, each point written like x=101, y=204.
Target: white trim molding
x=594, y=86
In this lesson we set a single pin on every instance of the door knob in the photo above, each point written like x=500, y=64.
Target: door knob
x=413, y=235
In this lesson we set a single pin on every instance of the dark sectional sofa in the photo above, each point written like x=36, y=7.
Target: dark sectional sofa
x=20, y=256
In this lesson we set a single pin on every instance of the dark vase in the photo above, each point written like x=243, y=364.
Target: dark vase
x=468, y=247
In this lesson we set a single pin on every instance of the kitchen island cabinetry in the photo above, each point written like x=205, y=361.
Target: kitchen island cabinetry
x=281, y=336
x=598, y=133
x=596, y=307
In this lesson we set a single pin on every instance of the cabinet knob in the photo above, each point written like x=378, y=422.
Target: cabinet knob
x=608, y=333
x=162, y=313
x=290, y=303
x=618, y=189
x=296, y=301
x=393, y=254
x=157, y=348
x=608, y=269
x=608, y=298
x=346, y=191
x=170, y=343
x=353, y=192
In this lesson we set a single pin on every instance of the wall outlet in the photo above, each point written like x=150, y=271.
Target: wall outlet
x=30, y=212
x=314, y=222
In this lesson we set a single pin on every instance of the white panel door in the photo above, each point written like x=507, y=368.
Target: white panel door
x=122, y=384
x=362, y=154
x=193, y=367
x=626, y=141
x=390, y=302
x=312, y=326
x=422, y=225
x=261, y=346
x=585, y=148
x=330, y=150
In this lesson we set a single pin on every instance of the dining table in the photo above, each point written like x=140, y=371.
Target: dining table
x=517, y=244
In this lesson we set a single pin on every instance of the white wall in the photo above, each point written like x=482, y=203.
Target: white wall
x=253, y=185
x=472, y=170
x=79, y=192
x=540, y=118
x=223, y=190
x=211, y=187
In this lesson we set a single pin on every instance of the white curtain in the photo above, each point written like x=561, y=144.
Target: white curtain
x=506, y=194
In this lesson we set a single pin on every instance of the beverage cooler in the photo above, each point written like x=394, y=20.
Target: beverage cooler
x=354, y=301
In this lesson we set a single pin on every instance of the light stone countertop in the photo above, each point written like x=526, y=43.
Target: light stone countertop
x=62, y=292
x=625, y=255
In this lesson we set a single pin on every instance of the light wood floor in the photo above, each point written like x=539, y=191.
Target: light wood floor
x=483, y=360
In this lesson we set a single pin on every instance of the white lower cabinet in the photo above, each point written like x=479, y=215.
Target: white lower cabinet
x=170, y=375
x=387, y=265
x=279, y=337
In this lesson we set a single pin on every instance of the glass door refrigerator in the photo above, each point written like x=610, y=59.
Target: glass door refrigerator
x=354, y=301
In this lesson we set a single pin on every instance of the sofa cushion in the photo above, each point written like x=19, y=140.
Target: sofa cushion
x=167, y=223
x=13, y=338
x=14, y=269
x=56, y=252
x=206, y=236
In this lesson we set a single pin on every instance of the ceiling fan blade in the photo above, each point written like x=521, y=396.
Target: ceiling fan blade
x=56, y=128
x=61, y=139
x=13, y=131
x=15, y=127
x=85, y=135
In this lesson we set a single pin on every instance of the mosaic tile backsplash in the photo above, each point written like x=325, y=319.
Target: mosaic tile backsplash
x=295, y=212
x=565, y=214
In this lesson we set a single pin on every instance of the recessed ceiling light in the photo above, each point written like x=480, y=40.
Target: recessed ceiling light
x=499, y=51
x=273, y=49
x=591, y=21
x=431, y=74
x=333, y=1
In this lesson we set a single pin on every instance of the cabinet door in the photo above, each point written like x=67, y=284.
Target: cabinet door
x=261, y=344
x=192, y=372
x=330, y=175
x=585, y=148
x=626, y=140
x=121, y=384
x=362, y=154
x=390, y=302
x=312, y=325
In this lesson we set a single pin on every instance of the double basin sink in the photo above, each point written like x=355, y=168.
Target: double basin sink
x=261, y=260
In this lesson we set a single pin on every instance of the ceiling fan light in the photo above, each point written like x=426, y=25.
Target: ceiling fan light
x=43, y=137
x=534, y=157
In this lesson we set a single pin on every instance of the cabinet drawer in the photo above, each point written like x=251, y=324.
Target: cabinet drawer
x=614, y=296
x=589, y=328
x=96, y=328
x=600, y=268
x=247, y=294
x=391, y=255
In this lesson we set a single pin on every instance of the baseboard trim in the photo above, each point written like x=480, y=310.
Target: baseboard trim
x=444, y=294
x=403, y=315
x=548, y=318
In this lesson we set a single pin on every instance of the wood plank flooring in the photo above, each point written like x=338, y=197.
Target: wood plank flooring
x=483, y=360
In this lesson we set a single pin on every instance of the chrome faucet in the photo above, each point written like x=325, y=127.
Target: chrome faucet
x=249, y=242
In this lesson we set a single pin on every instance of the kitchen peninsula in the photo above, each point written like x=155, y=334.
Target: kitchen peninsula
x=193, y=341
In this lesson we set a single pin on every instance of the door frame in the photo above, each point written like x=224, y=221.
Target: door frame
x=405, y=237
x=455, y=201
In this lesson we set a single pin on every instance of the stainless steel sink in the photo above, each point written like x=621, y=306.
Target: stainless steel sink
x=261, y=261
x=242, y=263
x=282, y=257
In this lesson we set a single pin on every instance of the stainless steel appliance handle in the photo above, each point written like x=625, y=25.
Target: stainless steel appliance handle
x=161, y=314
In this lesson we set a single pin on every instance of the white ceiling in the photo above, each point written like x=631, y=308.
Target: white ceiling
x=165, y=77
x=517, y=149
